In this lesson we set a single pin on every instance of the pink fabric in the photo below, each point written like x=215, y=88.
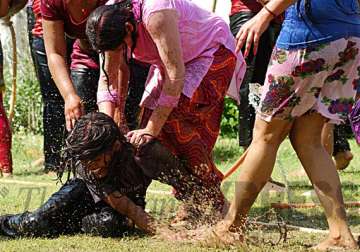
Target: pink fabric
x=82, y=56
x=317, y=79
x=201, y=34
x=168, y=100
x=106, y=96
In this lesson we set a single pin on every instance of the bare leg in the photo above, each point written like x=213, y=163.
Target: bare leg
x=327, y=137
x=255, y=171
x=306, y=139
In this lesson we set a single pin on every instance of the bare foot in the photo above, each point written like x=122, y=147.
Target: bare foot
x=342, y=159
x=336, y=243
x=219, y=236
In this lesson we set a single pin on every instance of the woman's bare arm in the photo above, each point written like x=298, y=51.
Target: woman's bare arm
x=55, y=45
x=117, y=71
x=125, y=206
x=251, y=31
x=163, y=28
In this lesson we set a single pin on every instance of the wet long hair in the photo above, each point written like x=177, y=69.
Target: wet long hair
x=94, y=133
x=106, y=29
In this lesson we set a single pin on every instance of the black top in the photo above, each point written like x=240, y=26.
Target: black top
x=124, y=176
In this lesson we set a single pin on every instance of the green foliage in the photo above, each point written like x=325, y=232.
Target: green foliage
x=230, y=121
x=28, y=108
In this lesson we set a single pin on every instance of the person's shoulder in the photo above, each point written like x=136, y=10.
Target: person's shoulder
x=52, y=9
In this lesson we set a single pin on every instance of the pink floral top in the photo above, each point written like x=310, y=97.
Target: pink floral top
x=201, y=34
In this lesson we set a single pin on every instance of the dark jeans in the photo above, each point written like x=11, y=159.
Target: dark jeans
x=256, y=71
x=53, y=107
x=85, y=81
x=138, y=75
x=70, y=210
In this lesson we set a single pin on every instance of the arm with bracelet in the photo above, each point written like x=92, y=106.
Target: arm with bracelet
x=250, y=33
x=113, y=85
x=163, y=29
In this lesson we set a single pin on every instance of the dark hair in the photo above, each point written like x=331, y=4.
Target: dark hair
x=105, y=27
x=93, y=134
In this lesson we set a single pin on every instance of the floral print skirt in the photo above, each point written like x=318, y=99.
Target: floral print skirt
x=323, y=79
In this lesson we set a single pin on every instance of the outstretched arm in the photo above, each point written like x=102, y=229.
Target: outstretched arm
x=163, y=28
x=251, y=31
x=125, y=206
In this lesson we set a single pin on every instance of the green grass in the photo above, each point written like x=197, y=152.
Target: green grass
x=16, y=197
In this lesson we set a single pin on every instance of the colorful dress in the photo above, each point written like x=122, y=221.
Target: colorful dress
x=315, y=65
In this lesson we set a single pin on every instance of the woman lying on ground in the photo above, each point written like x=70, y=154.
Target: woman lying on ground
x=309, y=82
x=113, y=171
x=192, y=53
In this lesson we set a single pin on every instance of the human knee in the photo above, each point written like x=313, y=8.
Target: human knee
x=305, y=142
x=268, y=138
x=107, y=223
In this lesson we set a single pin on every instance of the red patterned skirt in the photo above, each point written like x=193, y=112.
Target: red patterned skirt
x=192, y=128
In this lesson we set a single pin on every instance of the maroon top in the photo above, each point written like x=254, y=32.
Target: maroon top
x=245, y=5
x=82, y=55
x=57, y=10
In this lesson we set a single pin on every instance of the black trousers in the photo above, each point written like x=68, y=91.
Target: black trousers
x=70, y=210
x=53, y=106
x=255, y=72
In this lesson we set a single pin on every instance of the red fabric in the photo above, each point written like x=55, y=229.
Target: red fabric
x=82, y=55
x=37, y=30
x=193, y=126
x=5, y=140
x=245, y=5
x=57, y=10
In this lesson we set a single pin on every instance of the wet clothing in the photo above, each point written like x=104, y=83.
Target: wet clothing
x=131, y=172
x=77, y=207
x=256, y=64
x=310, y=23
x=70, y=210
x=53, y=103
